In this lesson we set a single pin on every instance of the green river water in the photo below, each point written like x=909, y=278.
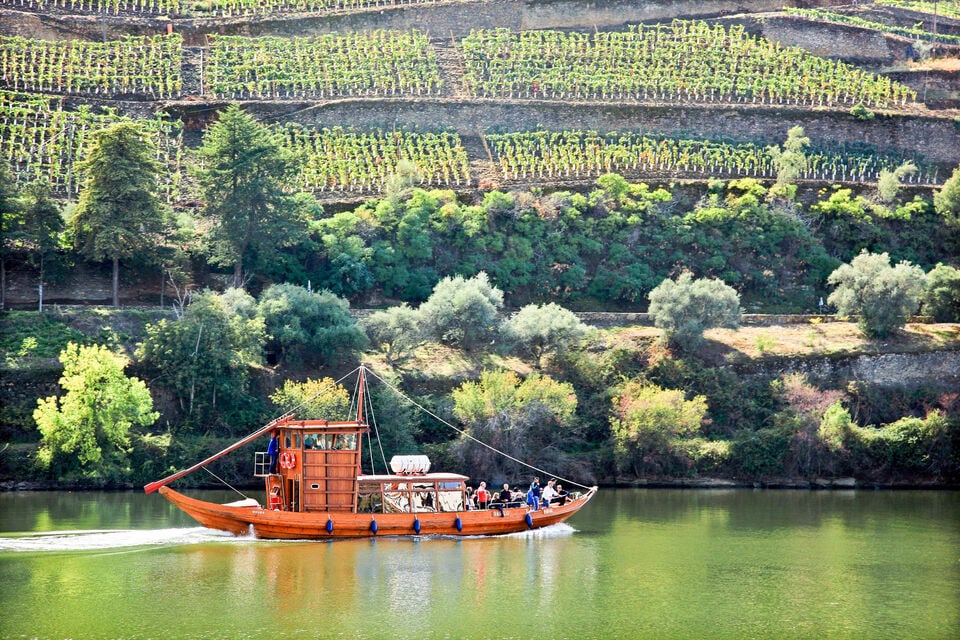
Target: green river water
x=632, y=564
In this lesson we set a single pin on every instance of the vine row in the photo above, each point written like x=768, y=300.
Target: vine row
x=585, y=154
x=41, y=140
x=350, y=160
x=680, y=61
x=143, y=66
x=376, y=63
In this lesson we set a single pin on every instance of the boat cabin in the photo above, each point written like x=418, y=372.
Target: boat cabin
x=319, y=470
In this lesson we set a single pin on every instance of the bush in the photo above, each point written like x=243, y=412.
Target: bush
x=539, y=331
x=647, y=420
x=908, y=447
x=396, y=331
x=463, y=312
x=760, y=453
x=882, y=297
x=309, y=327
x=685, y=308
x=942, y=296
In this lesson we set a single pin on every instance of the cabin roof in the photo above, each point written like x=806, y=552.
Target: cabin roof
x=426, y=477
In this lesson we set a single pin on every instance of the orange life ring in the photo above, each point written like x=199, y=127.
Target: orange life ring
x=288, y=460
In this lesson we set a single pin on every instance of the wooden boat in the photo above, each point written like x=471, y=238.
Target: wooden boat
x=321, y=493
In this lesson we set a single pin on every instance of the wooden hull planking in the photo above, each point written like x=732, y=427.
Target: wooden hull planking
x=263, y=523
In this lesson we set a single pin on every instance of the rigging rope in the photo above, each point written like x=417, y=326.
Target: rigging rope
x=467, y=435
x=246, y=497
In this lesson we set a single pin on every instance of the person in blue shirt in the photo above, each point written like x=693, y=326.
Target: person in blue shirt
x=274, y=451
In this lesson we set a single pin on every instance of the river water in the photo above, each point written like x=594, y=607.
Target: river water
x=632, y=564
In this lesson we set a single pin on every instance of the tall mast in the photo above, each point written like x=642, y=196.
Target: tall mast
x=360, y=393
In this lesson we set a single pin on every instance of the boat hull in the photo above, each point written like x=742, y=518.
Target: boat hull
x=263, y=523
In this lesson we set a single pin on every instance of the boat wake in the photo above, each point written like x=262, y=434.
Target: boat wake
x=106, y=539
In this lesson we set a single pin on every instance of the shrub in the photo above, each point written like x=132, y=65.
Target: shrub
x=942, y=296
x=647, y=420
x=309, y=327
x=882, y=297
x=541, y=330
x=685, y=308
x=463, y=311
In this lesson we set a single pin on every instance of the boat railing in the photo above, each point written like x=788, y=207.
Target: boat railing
x=261, y=464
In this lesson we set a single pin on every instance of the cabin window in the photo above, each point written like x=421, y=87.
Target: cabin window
x=345, y=441
x=296, y=441
x=309, y=441
x=286, y=441
x=321, y=441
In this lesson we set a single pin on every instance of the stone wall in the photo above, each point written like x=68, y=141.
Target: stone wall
x=938, y=139
x=443, y=19
x=883, y=370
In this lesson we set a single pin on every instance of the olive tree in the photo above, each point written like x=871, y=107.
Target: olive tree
x=463, y=311
x=203, y=358
x=880, y=295
x=542, y=330
x=687, y=307
x=396, y=331
x=942, y=296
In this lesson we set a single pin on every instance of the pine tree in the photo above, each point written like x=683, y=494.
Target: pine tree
x=246, y=171
x=119, y=214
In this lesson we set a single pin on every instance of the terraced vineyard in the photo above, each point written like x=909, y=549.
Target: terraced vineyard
x=582, y=154
x=40, y=139
x=377, y=63
x=356, y=103
x=147, y=66
x=682, y=61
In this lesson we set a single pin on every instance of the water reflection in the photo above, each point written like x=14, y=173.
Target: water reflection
x=641, y=563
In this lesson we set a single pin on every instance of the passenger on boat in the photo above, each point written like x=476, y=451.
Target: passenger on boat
x=308, y=442
x=471, y=500
x=275, y=498
x=549, y=493
x=504, y=497
x=273, y=450
x=483, y=496
x=562, y=495
x=533, y=494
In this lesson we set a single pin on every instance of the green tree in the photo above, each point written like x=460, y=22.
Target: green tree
x=86, y=432
x=42, y=226
x=9, y=228
x=942, y=296
x=685, y=308
x=541, y=330
x=311, y=327
x=789, y=162
x=647, y=421
x=312, y=399
x=463, y=311
x=396, y=331
x=889, y=182
x=243, y=183
x=530, y=419
x=119, y=214
x=881, y=296
x=946, y=201
x=203, y=358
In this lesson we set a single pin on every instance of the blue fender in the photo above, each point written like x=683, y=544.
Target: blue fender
x=458, y=523
x=416, y=525
x=529, y=519
x=373, y=527
x=329, y=525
